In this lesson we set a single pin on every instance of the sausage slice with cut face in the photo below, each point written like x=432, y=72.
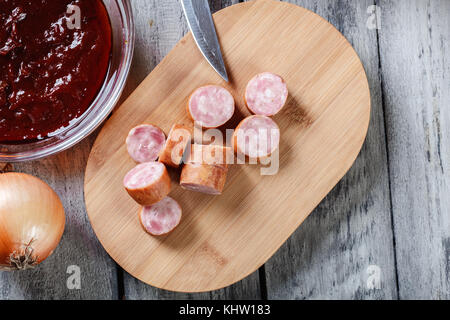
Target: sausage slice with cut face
x=162, y=217
x=144, y=143
x=178, y=139
x=147, y=183
x=256, y=137
x=211, y=106
x=266, y=94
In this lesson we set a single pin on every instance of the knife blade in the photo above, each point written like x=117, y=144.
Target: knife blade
x=201, y=24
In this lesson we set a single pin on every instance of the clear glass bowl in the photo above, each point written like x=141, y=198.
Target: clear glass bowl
x=122, y=52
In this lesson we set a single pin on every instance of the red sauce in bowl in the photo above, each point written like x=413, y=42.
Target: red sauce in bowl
x=52, y=64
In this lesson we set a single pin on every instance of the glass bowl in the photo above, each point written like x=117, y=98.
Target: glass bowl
x=119, y=66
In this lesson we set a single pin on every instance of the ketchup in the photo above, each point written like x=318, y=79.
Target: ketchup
x=53, y=62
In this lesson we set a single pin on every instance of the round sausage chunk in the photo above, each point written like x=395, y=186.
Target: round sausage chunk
x=145, y=142
x=178, y=139
x=204, y=178
x=147, y=183
x=256, y=137
x=211, y=106
x=162, y=217
x=266, y=94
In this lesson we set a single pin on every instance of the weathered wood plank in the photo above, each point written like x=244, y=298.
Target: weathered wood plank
x=328, y=256
x=79, y=246
x=415, y=51
x=160, y=25
x=348, y=237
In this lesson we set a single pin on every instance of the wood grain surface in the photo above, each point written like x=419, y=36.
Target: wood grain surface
x=305, y=267
x=352, y=225
x=79, y=250
x=223, y=239
x=160, y=26
x=415, y=55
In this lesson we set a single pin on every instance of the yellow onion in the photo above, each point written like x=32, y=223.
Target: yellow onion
x=31, y=221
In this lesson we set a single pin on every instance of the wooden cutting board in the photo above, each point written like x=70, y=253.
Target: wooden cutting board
x=222, y=239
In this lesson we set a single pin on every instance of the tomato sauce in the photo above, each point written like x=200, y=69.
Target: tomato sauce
x=54, y=57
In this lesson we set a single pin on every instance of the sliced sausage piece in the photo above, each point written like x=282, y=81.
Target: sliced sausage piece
x=144, y=143
x=162, y=217
x=266, y=94
x=177, y=141
x=210, y=154
x=147, y=183
x=211, y=106
x=256, y=137
x=204, y=178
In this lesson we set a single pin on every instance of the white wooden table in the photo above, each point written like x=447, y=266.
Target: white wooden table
x=382, y=233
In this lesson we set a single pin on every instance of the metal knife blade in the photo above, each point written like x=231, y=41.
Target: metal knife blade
x=201, y=24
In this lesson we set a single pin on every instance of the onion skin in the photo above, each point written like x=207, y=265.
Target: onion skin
x=32, y=221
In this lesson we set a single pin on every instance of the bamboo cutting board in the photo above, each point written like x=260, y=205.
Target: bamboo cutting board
x=222, y=239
